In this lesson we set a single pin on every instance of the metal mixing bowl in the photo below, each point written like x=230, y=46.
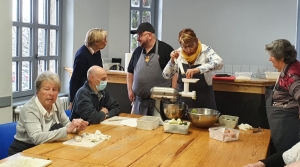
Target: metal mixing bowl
x=174, y=110
x=203, y=117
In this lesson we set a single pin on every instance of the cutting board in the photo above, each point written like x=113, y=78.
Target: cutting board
x=26, y=162
x=231, y=78
x=82, y=143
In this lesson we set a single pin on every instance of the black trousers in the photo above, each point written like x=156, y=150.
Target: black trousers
x=18, y=146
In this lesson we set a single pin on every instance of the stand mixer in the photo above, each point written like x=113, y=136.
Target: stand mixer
x=168, y=98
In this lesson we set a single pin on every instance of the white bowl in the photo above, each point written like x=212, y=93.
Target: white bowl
x=243, y=75
x=272, y=75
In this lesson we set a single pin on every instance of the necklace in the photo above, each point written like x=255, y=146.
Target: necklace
x=147, y=58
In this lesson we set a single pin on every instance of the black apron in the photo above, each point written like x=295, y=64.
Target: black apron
x=284, y=123
x=147, y=75
x=205, y=97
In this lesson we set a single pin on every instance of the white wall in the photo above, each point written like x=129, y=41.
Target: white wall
x=118, y=32
x=237, y=30
x=67, y=42
x=6, y=59
x=80, y=16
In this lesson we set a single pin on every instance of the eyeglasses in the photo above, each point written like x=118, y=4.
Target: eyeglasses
x=140, y=35
x=191, y=46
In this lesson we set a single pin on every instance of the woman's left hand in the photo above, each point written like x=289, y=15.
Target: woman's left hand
x=190, y=72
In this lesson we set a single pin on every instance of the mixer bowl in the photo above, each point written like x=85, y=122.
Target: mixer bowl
x=203, y=117
x=174, y=110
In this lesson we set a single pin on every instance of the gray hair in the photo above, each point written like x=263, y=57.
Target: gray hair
x=282, y=49
x=47, y=76
x=95, y=35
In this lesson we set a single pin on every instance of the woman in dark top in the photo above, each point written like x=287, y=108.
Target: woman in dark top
x=87, y=55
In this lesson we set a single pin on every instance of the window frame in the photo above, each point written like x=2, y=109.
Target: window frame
x=140, y=8
x=33, y=57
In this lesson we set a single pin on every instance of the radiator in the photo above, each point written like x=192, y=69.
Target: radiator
x=64, y=102
x=16, y=110
x=16, y=113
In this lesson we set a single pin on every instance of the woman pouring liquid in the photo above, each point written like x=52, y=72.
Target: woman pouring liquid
x=198, y=61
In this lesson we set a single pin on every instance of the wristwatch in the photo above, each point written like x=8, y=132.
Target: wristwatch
x=106, y=116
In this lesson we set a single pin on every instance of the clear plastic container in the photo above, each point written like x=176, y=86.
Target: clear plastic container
x=176, y=128
x=243, y=75
x=224, y=134
x=228, y=121
x=272, y=75
x=147, y=122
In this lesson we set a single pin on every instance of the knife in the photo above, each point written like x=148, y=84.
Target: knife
x=115, y=120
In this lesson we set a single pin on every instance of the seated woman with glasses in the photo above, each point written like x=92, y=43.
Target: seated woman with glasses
x=42, y=119
x=198, y=61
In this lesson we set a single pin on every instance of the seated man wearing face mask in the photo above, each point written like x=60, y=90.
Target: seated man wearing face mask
x=92, y=102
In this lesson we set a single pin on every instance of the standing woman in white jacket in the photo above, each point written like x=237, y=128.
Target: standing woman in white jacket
x=198, y=61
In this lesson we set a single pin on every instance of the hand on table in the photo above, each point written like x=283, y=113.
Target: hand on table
x=103, y=109
x=257, y=164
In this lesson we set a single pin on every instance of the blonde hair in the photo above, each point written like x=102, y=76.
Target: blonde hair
x=186, y=36
x=47, y=76
x=95, y=35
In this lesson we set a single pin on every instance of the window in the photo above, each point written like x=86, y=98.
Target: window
x=140, y=11
x=36, y=34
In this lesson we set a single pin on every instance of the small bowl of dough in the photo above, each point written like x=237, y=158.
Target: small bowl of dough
x=78, y=138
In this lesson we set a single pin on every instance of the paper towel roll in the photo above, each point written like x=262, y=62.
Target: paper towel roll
x=127, y=60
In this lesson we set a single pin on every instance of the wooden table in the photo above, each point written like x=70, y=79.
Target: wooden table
x=133, y=147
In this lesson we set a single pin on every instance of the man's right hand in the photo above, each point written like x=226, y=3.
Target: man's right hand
x=131, y=95
x=70, y=106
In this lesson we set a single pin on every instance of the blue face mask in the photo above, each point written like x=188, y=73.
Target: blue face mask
x=102, y=85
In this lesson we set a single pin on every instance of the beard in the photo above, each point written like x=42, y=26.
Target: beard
x=143, y=44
